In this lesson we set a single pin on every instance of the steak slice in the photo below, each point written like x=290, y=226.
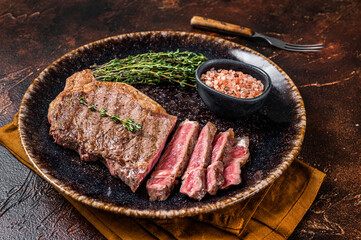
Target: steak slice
x=128, y=155
x=194, y=179
x=173, y=162
x=234, y=161
x=222, y=145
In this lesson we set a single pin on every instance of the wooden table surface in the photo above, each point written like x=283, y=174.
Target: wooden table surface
x=35, y=33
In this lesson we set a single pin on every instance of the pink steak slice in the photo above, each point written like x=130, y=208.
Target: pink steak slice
x=173, y=162
x=222, y=145
x=194, y=179
x=238, y=157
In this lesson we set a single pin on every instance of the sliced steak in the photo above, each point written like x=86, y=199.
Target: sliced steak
x=221, y=147
x=194, y=179
x=234, y=161
x=173, y=161
x=129, y=156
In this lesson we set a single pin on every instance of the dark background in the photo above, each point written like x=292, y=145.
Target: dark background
x=33, y=34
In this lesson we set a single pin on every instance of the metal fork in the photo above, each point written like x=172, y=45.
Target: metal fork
x=228, y=28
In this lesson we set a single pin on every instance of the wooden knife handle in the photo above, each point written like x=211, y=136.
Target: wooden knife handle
x=223, y=27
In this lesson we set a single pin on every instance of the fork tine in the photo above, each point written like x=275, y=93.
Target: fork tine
x=301, y=49
x=305, y=49
x=305, y=45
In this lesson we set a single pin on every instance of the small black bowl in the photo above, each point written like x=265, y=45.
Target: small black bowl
x=227, y=106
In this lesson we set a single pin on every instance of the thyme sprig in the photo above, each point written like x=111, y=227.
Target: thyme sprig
x=152, y=68
x=128, y=124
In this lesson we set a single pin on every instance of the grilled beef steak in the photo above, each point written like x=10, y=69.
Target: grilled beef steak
x=194, y=179
x=221, y=146
x=234, y=161
x=173, y=161
x=128, y=155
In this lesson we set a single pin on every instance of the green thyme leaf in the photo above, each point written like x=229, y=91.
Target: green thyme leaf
x=103, y=112
x=92, y=107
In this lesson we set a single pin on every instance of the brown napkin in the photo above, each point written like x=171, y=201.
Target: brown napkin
x=271, y=214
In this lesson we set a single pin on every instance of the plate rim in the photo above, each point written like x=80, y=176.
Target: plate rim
x=183, y=212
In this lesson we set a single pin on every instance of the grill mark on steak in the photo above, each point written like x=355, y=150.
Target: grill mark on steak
x=129, y=156
x=93, y=128
x=221, y=147
x=173, y=161
x=194, y=179
x=234, y=161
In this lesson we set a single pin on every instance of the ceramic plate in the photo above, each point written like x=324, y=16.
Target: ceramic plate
x=276, y=131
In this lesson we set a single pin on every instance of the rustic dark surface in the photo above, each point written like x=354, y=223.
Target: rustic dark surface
x=35, y=33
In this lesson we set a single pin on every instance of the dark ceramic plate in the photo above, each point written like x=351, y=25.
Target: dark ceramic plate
x=276, y=131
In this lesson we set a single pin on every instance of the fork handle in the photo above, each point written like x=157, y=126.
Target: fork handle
x=218, y=26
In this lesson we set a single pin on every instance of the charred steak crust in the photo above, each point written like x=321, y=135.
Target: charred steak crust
x=129, y=156
x=173, y=161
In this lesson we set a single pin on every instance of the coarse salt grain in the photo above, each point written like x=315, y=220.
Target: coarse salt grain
x=233, y=83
